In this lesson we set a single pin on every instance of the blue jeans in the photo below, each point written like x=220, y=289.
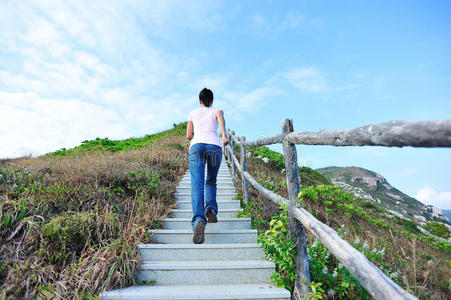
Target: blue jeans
x=199, y=154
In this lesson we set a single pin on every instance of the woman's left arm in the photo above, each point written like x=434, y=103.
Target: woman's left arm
x=189, y=130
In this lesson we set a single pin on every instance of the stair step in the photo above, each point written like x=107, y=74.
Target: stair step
x=218, y=185
x=185, y=223
x=218, y=178
x=219, y=174
x=220, y=192
x=206, y=272
x=218, y=182
x=212, y=236
x=182, y=252
x=222, y=214
x=222, y=204
x=200, y=292
x=219, y=189
x=187, y=197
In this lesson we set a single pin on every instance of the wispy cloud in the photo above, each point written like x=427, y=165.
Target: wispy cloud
x=275, y=24
x=309, y=80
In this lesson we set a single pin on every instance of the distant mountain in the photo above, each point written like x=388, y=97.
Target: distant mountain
x=447, y=213
x=375, y=188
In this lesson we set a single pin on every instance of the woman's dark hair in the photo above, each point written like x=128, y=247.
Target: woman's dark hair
x=206, y=96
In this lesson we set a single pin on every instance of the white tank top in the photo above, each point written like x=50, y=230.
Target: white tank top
x=205, y=126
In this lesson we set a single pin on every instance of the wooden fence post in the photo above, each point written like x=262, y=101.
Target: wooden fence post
x=243, y=162
x=296, y=229
x=228, y=139
x=234, y=154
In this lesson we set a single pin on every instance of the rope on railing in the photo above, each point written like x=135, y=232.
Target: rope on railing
x=267, y=193
x=275, y=139
x=389, y=134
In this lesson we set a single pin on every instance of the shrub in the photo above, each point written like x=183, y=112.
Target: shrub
x=67, y=235
x=280, y=249
x=437, y=229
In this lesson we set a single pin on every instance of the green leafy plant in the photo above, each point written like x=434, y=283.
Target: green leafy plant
x=316, y=291
x=276, y=159
x=280, y=249
x=142, y=179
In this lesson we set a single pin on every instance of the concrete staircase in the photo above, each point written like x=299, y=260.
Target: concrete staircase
x=228, y=265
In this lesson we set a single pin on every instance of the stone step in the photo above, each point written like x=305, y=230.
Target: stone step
x=222, y=204
x=219, y=189
x=221, y=169
x=218, y=182
x=199, y=292
x=185, y=223
x=218, y=192
x=212, y=236
x=222, y=214
x=187, y=197
x=179, y=252
x=218, y=185
x=206, y=272
x=219, y=178
x=220, y=173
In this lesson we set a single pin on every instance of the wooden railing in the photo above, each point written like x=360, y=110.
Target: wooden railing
x=390, y=134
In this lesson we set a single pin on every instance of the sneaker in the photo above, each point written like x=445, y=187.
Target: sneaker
x=198, y=236
x=211, y=216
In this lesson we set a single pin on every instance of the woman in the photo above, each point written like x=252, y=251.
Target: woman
x=205, y=148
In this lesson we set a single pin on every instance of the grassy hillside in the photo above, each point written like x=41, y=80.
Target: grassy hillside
x=71, y=220
x=375, y=188
x=418, y=263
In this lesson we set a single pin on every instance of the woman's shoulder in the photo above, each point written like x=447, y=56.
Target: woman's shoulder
x=217, y=109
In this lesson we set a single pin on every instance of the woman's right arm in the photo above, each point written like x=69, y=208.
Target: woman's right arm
x=221, y=121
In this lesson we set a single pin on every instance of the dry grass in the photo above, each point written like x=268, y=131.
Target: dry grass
x=74, y=222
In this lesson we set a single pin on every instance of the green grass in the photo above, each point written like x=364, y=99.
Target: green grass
x=106, y=144
x=438, y=229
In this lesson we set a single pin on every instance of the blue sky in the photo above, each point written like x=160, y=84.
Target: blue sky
x=77, y=70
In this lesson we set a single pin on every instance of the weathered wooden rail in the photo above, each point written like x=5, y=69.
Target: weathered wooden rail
x=389, y=134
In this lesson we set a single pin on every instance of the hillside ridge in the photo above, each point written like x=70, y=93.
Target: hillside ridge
x=373, y=187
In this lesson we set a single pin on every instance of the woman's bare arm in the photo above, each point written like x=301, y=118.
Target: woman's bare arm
x=189, y=130
x=221, y=121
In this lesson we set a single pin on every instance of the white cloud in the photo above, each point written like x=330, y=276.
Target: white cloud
x=258, y=20
x=33, y=125
x=293, y=20
x=311, y=80
x=308, y=80
x=275, y=24
x=429, y=195
x=238, y=104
